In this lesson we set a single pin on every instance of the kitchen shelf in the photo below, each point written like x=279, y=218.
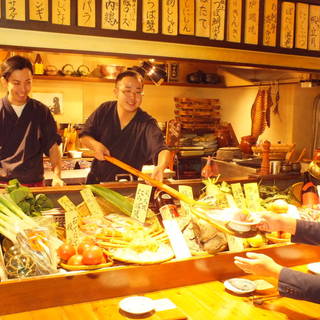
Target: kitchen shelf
x=98, y=79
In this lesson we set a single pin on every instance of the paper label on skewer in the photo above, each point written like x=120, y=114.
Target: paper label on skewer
x=252, y=196
x=72, y=227
x=177, y=241
x=67, y=204
x=318, y=190
x=71, y=220
x=230, y=200
x=141, y=202
x=91, y=202
x=187, y=190
x=238, y=195
x=234, y=243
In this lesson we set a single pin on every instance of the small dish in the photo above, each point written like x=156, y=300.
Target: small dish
x=243, y=226
x=240, y=286
x=314, y=267
x=137, y=305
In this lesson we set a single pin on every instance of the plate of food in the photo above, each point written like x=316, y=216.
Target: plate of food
x=240, y=286
x=314, y=267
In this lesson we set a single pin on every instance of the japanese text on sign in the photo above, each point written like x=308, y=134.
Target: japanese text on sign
x=203, y=18
x=218, y=12
x=61, y=12
x=110, y=14
x=170, y=17
x=128, y=15
x=15, y=10
x=141, y=202
x=186, y=17
x=86, y=13
x=150, y=16
x=38, y=10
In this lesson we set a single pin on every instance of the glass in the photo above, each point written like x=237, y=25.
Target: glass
x=128, y=93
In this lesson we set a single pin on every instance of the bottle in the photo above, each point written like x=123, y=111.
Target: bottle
x=38, y=65
x=165, y=203
x=309, y=194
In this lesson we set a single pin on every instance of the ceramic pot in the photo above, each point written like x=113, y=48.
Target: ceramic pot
x=246, y=143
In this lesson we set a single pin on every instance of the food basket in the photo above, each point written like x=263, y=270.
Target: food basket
x=277, y=151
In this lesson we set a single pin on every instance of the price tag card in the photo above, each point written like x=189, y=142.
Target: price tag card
x=66, y=204
x=234, y=243
x=71, y=220
x=72, y=227
x=91, y=202
x=252, y=196
x=141, y=202
x=238, y=195
x=187, y=190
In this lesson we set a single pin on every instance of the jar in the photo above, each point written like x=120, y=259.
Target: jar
x=286, y=167
x=246, y=143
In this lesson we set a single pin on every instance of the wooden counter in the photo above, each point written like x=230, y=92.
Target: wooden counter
x=204, y=301
x=76, y=287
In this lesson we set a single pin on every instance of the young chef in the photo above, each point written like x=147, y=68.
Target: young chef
x=121, y=129
x=291, y=283
x=27, y=129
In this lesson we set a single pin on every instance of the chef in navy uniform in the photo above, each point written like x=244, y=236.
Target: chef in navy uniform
x=27, y=129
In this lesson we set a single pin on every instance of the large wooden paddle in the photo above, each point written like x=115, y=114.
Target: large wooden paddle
x=173, y=192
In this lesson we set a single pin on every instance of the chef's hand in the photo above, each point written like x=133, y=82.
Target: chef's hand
x=157, y=173
x=258, y=264
x=100, y=151
x=276, y=222
x=57, y=182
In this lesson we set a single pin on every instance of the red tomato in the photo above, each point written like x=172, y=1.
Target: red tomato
x=82, y=246
x=75, y=260
x=65, y=251
x=92, y=255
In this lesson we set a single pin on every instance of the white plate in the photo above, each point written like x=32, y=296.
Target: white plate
x=314, y=267
x=240, y=286
x=137, y=305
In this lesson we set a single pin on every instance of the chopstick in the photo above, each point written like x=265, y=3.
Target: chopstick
x=261, y=299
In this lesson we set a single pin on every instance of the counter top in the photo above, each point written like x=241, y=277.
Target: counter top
x=205, y=301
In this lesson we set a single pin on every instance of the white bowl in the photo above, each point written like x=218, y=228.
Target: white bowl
x=75, y=154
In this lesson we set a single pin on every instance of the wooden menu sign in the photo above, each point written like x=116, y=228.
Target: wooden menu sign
x=173, y=133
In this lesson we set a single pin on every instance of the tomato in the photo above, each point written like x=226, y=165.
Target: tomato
x=65, y=251
x=92, y=255
x=75, y=260
x=82, y=246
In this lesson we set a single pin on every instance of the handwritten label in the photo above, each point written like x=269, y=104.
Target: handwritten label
x=218, y=13
x=234, y=243
x=186, y=17
x=87, y=13
x=314, y=28
x=234, y=20
x=110, y=14
x=238, y=195
x=270, y=22
x=251, y=22
x=141, y=202
x=252, y=196
x=203, y=18
x=128, y=15
x=91, y=202
x=302, y=22
x=287, y=24
x=71, y=220
x=72, y=227
x=61, y=12
x=187, y=190
x=150, y=16
x=38, y=10
x=16, y=10
x=170, y=17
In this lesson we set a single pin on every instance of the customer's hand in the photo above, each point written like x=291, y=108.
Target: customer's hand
x=276, y=222
x=258, y=264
